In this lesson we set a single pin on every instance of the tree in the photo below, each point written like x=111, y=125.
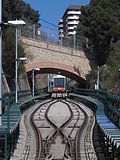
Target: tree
x=99, y=22
x=12, y=10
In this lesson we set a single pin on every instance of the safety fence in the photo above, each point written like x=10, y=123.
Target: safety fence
x=111, y=102
x=75, y=41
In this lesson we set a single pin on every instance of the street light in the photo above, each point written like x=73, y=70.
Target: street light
x=11, y=23
x=98, y=78
x=61, y=40
x=22, y=59
x=16, y=23
x=33, y=80
x=119, y=79
x=0, y=63
x=74, y=39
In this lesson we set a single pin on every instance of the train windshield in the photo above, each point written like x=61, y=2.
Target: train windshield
x=59, y=82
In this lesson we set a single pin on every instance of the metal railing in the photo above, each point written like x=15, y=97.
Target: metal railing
x=111, y=102
x=75, y=41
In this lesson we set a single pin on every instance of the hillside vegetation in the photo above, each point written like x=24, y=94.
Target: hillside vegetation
x=12, y=10
x=100, y=23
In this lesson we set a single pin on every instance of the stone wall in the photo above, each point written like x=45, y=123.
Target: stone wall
x=5, y=87
x=23, y=83
x=44, y=52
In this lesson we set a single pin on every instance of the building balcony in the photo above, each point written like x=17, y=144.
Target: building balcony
x=73, y=18
x=74, y=12
x=71, y=33
x=61, y=34
x=73, y=23
x=61, y=25
x=60, y=30
x=70, y=27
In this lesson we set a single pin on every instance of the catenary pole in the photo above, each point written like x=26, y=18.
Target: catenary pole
x=16, y=71
x=0, y=63
x=33, y=69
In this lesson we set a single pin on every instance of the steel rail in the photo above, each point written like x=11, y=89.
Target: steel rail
x=39, y=143
x=59, y=130
x=85, y=129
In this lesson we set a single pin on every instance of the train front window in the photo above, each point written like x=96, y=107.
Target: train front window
x=59, y=82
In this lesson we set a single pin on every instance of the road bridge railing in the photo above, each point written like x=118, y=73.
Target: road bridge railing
x=27, y=31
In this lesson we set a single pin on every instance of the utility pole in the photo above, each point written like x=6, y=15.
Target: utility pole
x=119, y=79
x=74, y=39
x=33, y=70
x=0, y=63
x=61, y=39
x=16, y=71
x=98, y=78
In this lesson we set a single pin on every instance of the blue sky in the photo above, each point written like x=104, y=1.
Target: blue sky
x=52, y=11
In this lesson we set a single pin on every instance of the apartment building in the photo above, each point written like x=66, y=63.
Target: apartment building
x=69, y=21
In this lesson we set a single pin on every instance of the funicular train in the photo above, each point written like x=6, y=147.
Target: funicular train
x=59, y=85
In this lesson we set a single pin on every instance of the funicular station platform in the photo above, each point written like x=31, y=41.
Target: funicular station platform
x=107, y=128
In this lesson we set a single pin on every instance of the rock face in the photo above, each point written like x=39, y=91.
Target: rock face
x=5, y=87
x=23, y=83
x=8, y=86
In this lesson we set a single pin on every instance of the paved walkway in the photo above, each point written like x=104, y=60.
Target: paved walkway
x=59, y=113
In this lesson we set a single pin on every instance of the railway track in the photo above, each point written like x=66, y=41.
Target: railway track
x=83, y=143
x=59, y=129
x=27, y=145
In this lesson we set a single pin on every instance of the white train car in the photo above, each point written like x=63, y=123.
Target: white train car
x=59, y=83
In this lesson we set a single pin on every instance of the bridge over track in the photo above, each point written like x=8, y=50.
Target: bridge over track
x=57, y=59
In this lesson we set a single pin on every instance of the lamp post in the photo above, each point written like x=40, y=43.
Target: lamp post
x=33, y=80
x=119, y=79
x=98, y=79
x=61, y=40
x=74, y=39
x=16, y=23
x=0, y=63
x=8, y=125
x=22, y=59
x=48, y=82
x=11, y=23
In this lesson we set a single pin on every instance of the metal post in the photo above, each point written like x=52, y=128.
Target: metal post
x=48, y=82
x=119, y=79
x=8, y=118
x=33, y=70
x=119, y=85
x=61, y=39
x=33, y=82
x=48, y=35
x=5, y=144
x=16, y=72
x=75, y=40
x=98, y=79
x=0, y=63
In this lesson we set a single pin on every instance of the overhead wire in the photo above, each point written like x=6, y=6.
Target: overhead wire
x=48, y=22
x=49, y=28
